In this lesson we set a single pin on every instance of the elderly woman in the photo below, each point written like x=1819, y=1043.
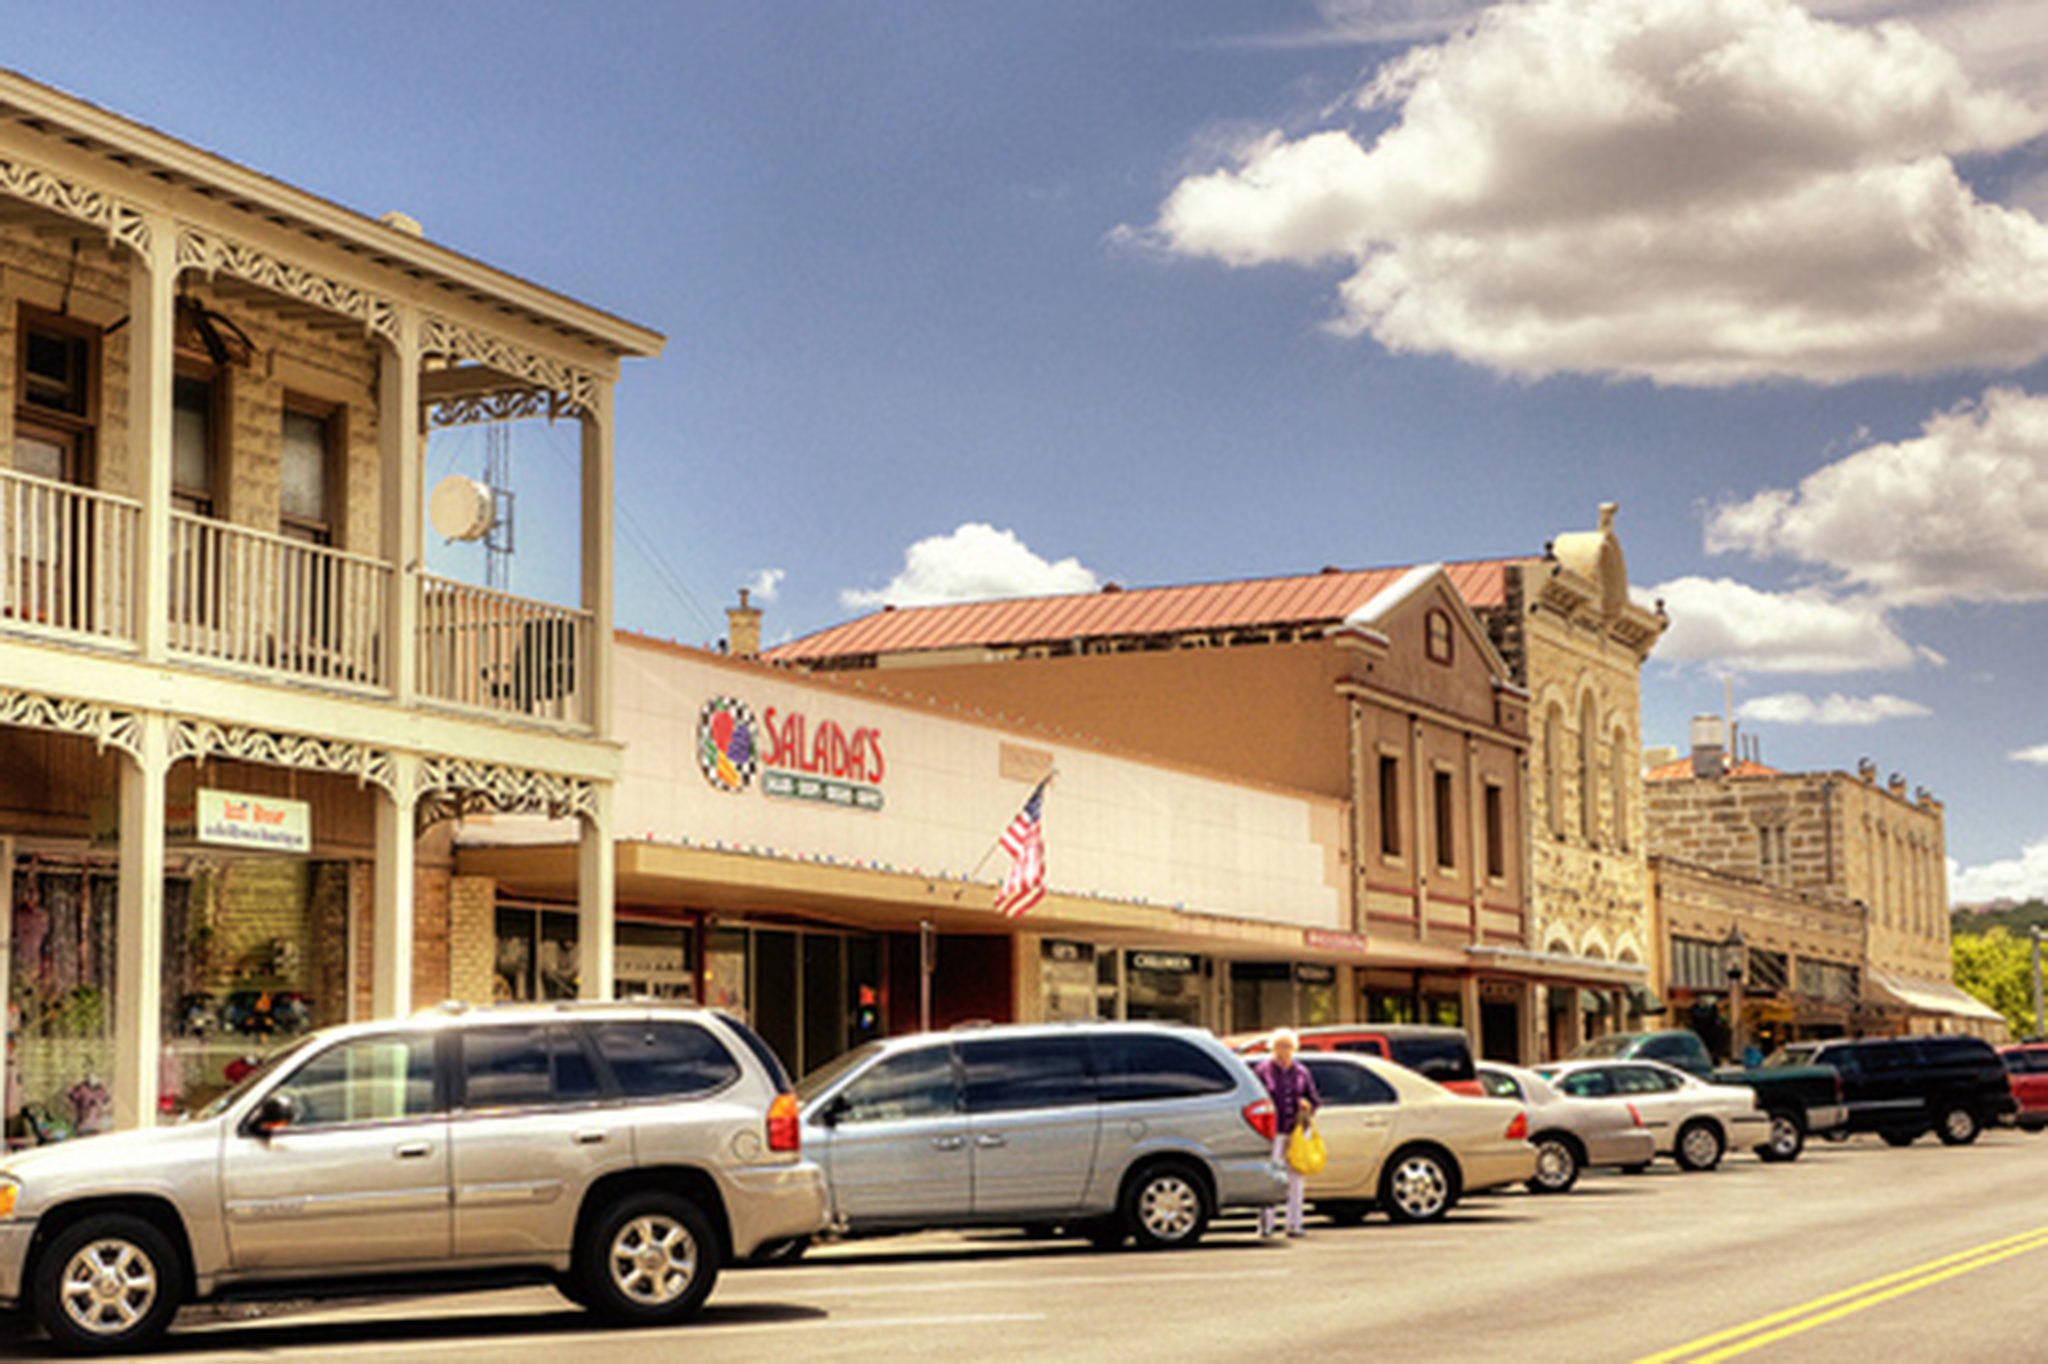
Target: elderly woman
x=1295, y=1099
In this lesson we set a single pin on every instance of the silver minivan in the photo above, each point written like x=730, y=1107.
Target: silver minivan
x=1116, y=1130
x=622, y=1151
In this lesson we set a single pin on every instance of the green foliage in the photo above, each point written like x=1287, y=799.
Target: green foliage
x=1998, y=969
x=2016, y=920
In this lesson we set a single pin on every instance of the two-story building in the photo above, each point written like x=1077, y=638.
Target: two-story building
x=235, y=710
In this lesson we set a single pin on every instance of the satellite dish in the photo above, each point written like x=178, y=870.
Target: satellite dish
x=461, y=508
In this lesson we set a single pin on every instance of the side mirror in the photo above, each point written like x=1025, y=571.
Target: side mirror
x=277, y=1112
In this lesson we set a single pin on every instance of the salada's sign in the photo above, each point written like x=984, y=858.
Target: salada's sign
x=242, y=821
x=794, y=756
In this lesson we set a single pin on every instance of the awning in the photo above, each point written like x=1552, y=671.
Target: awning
x=1556, y=968
x=1930, y=997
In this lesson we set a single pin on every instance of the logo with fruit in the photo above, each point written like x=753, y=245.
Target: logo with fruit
x=725, y=743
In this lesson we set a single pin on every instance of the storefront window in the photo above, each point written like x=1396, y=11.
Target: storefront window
x=1163, y=985
x=60, y=1018
x=725, y=972
x=1066, y=980
x=652, y=961
x=536, y=956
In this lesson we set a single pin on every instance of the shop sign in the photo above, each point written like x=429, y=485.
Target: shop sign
x=1059, y=949
x=243, y=821
x=1308, y=973
x=1328, y=940
x=1172, y=963
x=795, y=757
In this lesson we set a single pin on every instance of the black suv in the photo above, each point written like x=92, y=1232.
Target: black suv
x=1901, y=1087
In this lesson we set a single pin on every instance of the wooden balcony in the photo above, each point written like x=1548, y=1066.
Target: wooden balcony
x=486, y=650
x=67, y=561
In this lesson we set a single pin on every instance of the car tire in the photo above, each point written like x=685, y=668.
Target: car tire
x=1699, y=1146
x=1958, y=1127
x=1344, y=1214
x=1418, y=1185
x=648, y=1259
x=1557, y=1164
x=108, y=1284
x=1787, y=1139
x=1895, y=1136
x=1165, y=1207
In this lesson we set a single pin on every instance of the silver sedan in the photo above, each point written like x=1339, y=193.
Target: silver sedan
x=1569, y=1134
x=1695, y=1123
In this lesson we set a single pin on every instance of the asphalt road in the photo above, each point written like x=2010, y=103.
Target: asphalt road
x=1858, y=1252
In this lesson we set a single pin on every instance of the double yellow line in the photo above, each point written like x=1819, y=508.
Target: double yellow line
x=1820, y=1311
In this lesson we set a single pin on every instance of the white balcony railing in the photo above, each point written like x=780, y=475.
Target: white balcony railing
x=67, y=559
x=492, y=651
x=256, y=600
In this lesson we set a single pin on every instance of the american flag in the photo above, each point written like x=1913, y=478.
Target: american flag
x=1024, y=841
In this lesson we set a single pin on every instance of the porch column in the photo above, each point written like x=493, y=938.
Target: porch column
x=595, y=889
x=152, y=321
x=399, y=454
x=139, y=926
x=597, y=554
x=1468, y=1005
x=392, y=907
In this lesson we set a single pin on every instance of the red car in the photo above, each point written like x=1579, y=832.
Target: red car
x=2027, y=1067
x=1440, y=1053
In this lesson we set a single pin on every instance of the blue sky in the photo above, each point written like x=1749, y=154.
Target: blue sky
x=967, y=298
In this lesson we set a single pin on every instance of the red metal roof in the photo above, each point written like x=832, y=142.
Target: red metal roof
x=1115, y=613
x=1680, y=769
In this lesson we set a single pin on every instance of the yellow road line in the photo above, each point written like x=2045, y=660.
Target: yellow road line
x=1848, y=1300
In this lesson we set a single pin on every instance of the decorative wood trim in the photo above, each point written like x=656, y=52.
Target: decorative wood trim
x=213, y=254
x=448, y=788
x=573, y=391
x=203, y=739
x=122, y=221
x=104, y=725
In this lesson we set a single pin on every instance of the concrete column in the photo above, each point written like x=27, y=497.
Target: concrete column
x=401, y=450
x=597, y=556
x=152, y=322
x=596, y=886
x=139, y=928
x=1468, y=1005
x=391, y=905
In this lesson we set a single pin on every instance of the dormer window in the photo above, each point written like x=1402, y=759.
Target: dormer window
x=1438, y=627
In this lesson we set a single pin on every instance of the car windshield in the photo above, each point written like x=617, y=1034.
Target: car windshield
x=264, y=1070
x=821, y=1079
x=1789, y=1056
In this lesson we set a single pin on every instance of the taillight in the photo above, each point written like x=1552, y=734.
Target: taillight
x=785, y=1127
x=1518, y=1130
x=1633, y=1116
x=1262, y=1118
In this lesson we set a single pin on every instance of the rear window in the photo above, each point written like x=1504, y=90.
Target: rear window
x=1361, y=1046
x=1134, y=1066
x=778, y=1074
x=1010, y=1073
x=664, y=1059
x=1345, y=1086
x=1954, y=1051
x=1440, y=1058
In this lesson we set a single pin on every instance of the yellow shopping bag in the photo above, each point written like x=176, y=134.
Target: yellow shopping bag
x=1306, y=1153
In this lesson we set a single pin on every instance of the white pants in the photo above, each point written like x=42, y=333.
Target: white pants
x=1296, y=1183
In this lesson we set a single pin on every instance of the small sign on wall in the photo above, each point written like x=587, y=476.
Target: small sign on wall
x=243, y=821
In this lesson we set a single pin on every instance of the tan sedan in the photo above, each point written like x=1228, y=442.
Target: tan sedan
x=1406, y=1144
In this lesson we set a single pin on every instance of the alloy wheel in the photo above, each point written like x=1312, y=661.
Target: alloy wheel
x=653, y=1260
x=108, y=1287
x=1169, y=1208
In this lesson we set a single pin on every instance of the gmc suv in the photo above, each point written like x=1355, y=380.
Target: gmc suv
x=1902, y=1087
x=622, y=1152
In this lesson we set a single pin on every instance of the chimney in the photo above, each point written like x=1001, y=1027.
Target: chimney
x=743, y=628
x=1709, y=758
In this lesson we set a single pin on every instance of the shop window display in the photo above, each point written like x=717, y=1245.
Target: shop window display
x=60, y=1024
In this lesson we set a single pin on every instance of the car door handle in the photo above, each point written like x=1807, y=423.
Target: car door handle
x=948, y=1143
x=590, y=1136
x=991, y=1139
x=413, y=1150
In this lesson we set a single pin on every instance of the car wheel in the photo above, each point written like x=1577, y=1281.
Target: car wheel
x=1164, y=1208
x=1557, y=1164
x=649, y=1259
x=1418, y=1186
x=107, y=1284
x=1344, y=1214
x=1959, y=1127
x=1699, y=1146
x=1898, y=1136
x=1787, y=1139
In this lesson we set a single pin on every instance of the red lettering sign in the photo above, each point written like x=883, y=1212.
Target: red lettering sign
x=792, y=744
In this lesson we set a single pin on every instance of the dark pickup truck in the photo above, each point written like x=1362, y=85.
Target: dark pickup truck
x=1800, y=1099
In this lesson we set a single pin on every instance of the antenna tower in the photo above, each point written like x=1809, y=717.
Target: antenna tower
x=499, y=541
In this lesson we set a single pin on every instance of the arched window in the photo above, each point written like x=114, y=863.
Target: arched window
x=1621, y=762
x=1589, y=770
x=1553, y=767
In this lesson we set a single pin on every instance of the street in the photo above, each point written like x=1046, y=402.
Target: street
x=1858, y=1251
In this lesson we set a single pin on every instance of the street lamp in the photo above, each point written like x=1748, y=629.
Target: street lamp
x=1735, y=961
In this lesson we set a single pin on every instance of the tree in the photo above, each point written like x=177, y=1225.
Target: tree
x=1998, y=969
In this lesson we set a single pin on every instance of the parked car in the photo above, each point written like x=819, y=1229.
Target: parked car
x=2026, y=1066
x=1143, y=1130
x=625, y=1151
x=1407, y=1145
x=1570, y=1134
x=1903, y=1087
x=1694, y=1122
x=1441, y=1053
x=1797, y=1098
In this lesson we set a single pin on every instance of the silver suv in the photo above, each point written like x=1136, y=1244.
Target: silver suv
x=1112, y=1129
x=622, y=1151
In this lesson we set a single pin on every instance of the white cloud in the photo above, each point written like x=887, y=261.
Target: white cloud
x=1797, y=708
x=1736, y=626
x=1959, y=513
x=767, y=583
x=2016, y=878
x=1700, y=193
x=2037, y=755
x=975, y=562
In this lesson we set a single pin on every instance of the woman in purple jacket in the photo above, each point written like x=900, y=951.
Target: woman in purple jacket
x=1295, y=1099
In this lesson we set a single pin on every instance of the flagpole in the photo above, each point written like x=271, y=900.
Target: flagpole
x=997, y=841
